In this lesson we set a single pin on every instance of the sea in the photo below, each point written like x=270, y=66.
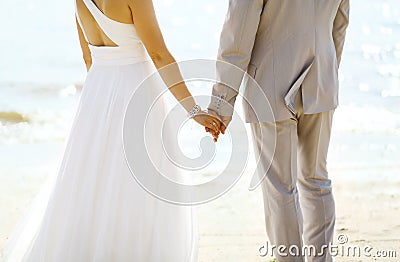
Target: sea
x=42, y=73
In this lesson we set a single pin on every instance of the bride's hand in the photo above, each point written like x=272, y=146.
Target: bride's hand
x=209, y=121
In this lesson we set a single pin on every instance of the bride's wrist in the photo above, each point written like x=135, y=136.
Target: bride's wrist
x=194, y=111
x=188, y=103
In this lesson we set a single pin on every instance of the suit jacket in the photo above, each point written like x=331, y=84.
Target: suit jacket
x=286, y=46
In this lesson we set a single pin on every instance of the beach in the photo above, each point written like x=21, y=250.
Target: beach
x=40, y=88
x=366, y=215
x=231, y=228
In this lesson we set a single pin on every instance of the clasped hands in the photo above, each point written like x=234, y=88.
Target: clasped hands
x=212, y=122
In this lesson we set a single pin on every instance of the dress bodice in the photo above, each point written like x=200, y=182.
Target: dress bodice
x=129, y=49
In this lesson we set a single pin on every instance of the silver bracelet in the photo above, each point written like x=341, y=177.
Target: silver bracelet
x=194, y=111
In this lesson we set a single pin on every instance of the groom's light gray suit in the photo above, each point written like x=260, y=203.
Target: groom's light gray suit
x=292, y=48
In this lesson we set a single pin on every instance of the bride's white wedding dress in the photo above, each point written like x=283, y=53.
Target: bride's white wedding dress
x=95, y=210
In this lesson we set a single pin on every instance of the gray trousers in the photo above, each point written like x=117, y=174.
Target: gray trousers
x=297, y=167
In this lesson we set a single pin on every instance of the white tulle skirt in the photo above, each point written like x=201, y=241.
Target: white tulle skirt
x=94, y=210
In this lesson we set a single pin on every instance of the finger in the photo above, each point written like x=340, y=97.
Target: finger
x=223, y=128
x=214, y=126
x=211, y=132
x=215, y=138
x=214, y=134
x=210, y=126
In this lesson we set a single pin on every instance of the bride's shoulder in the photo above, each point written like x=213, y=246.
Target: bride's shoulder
x=140, y=3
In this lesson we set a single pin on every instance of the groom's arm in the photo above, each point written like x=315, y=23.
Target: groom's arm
x=236, y=45
x=340, y=25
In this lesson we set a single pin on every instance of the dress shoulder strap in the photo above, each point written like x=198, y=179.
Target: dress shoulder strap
x=106, y=24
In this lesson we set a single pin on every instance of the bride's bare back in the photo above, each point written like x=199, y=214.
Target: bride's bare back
x=138, y=12
x=117, y=10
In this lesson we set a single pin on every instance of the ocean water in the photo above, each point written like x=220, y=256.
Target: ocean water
x=41, y=73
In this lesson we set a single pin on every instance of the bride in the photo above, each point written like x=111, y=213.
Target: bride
x=96, y=211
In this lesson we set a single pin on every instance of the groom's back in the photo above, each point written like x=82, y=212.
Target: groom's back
x=284, y=17
x=295, y=45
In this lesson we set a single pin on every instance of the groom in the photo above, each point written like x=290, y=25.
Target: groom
x=292, y=48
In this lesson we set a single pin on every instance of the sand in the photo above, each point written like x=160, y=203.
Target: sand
x=231, y=228
x=368, y=213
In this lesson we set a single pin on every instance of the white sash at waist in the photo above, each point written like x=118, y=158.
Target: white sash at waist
x=116, y=55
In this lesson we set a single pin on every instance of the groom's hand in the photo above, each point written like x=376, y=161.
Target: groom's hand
x=211, y=123
x=224, y=120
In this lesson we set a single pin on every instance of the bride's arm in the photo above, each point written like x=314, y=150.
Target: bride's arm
x=147, y=27
x=149, y=31
x=87, y=57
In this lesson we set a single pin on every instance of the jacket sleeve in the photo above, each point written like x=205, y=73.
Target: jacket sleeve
x=236, y=46
x=340, y=25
